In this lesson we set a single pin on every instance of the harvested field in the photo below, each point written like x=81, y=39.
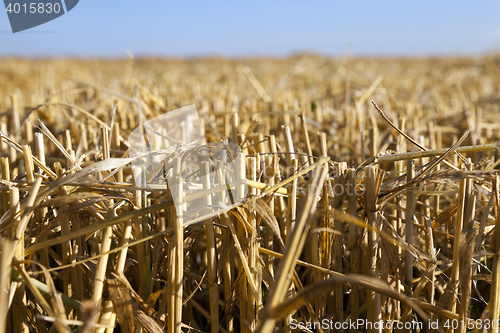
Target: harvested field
x=385, y=211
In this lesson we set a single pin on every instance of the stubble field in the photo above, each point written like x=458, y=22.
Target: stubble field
x=365, y=189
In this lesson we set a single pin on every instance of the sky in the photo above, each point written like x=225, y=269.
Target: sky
x=237, y=28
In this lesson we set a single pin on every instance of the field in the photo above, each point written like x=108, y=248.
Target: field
x=363, y=189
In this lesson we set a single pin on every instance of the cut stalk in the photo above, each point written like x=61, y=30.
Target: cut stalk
x=211, y=254
x=353, y=242
x=338, y=246
x=374, y=314
x=227, y=267
x=241, y=238
x=459, y=224
x=179, y=249
x=494, y=303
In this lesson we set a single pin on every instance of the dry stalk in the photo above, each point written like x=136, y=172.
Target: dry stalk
x=292, y=252
x=373, y=299
x=211, y=255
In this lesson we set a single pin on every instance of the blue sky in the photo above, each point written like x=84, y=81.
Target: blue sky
x=234, y=28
